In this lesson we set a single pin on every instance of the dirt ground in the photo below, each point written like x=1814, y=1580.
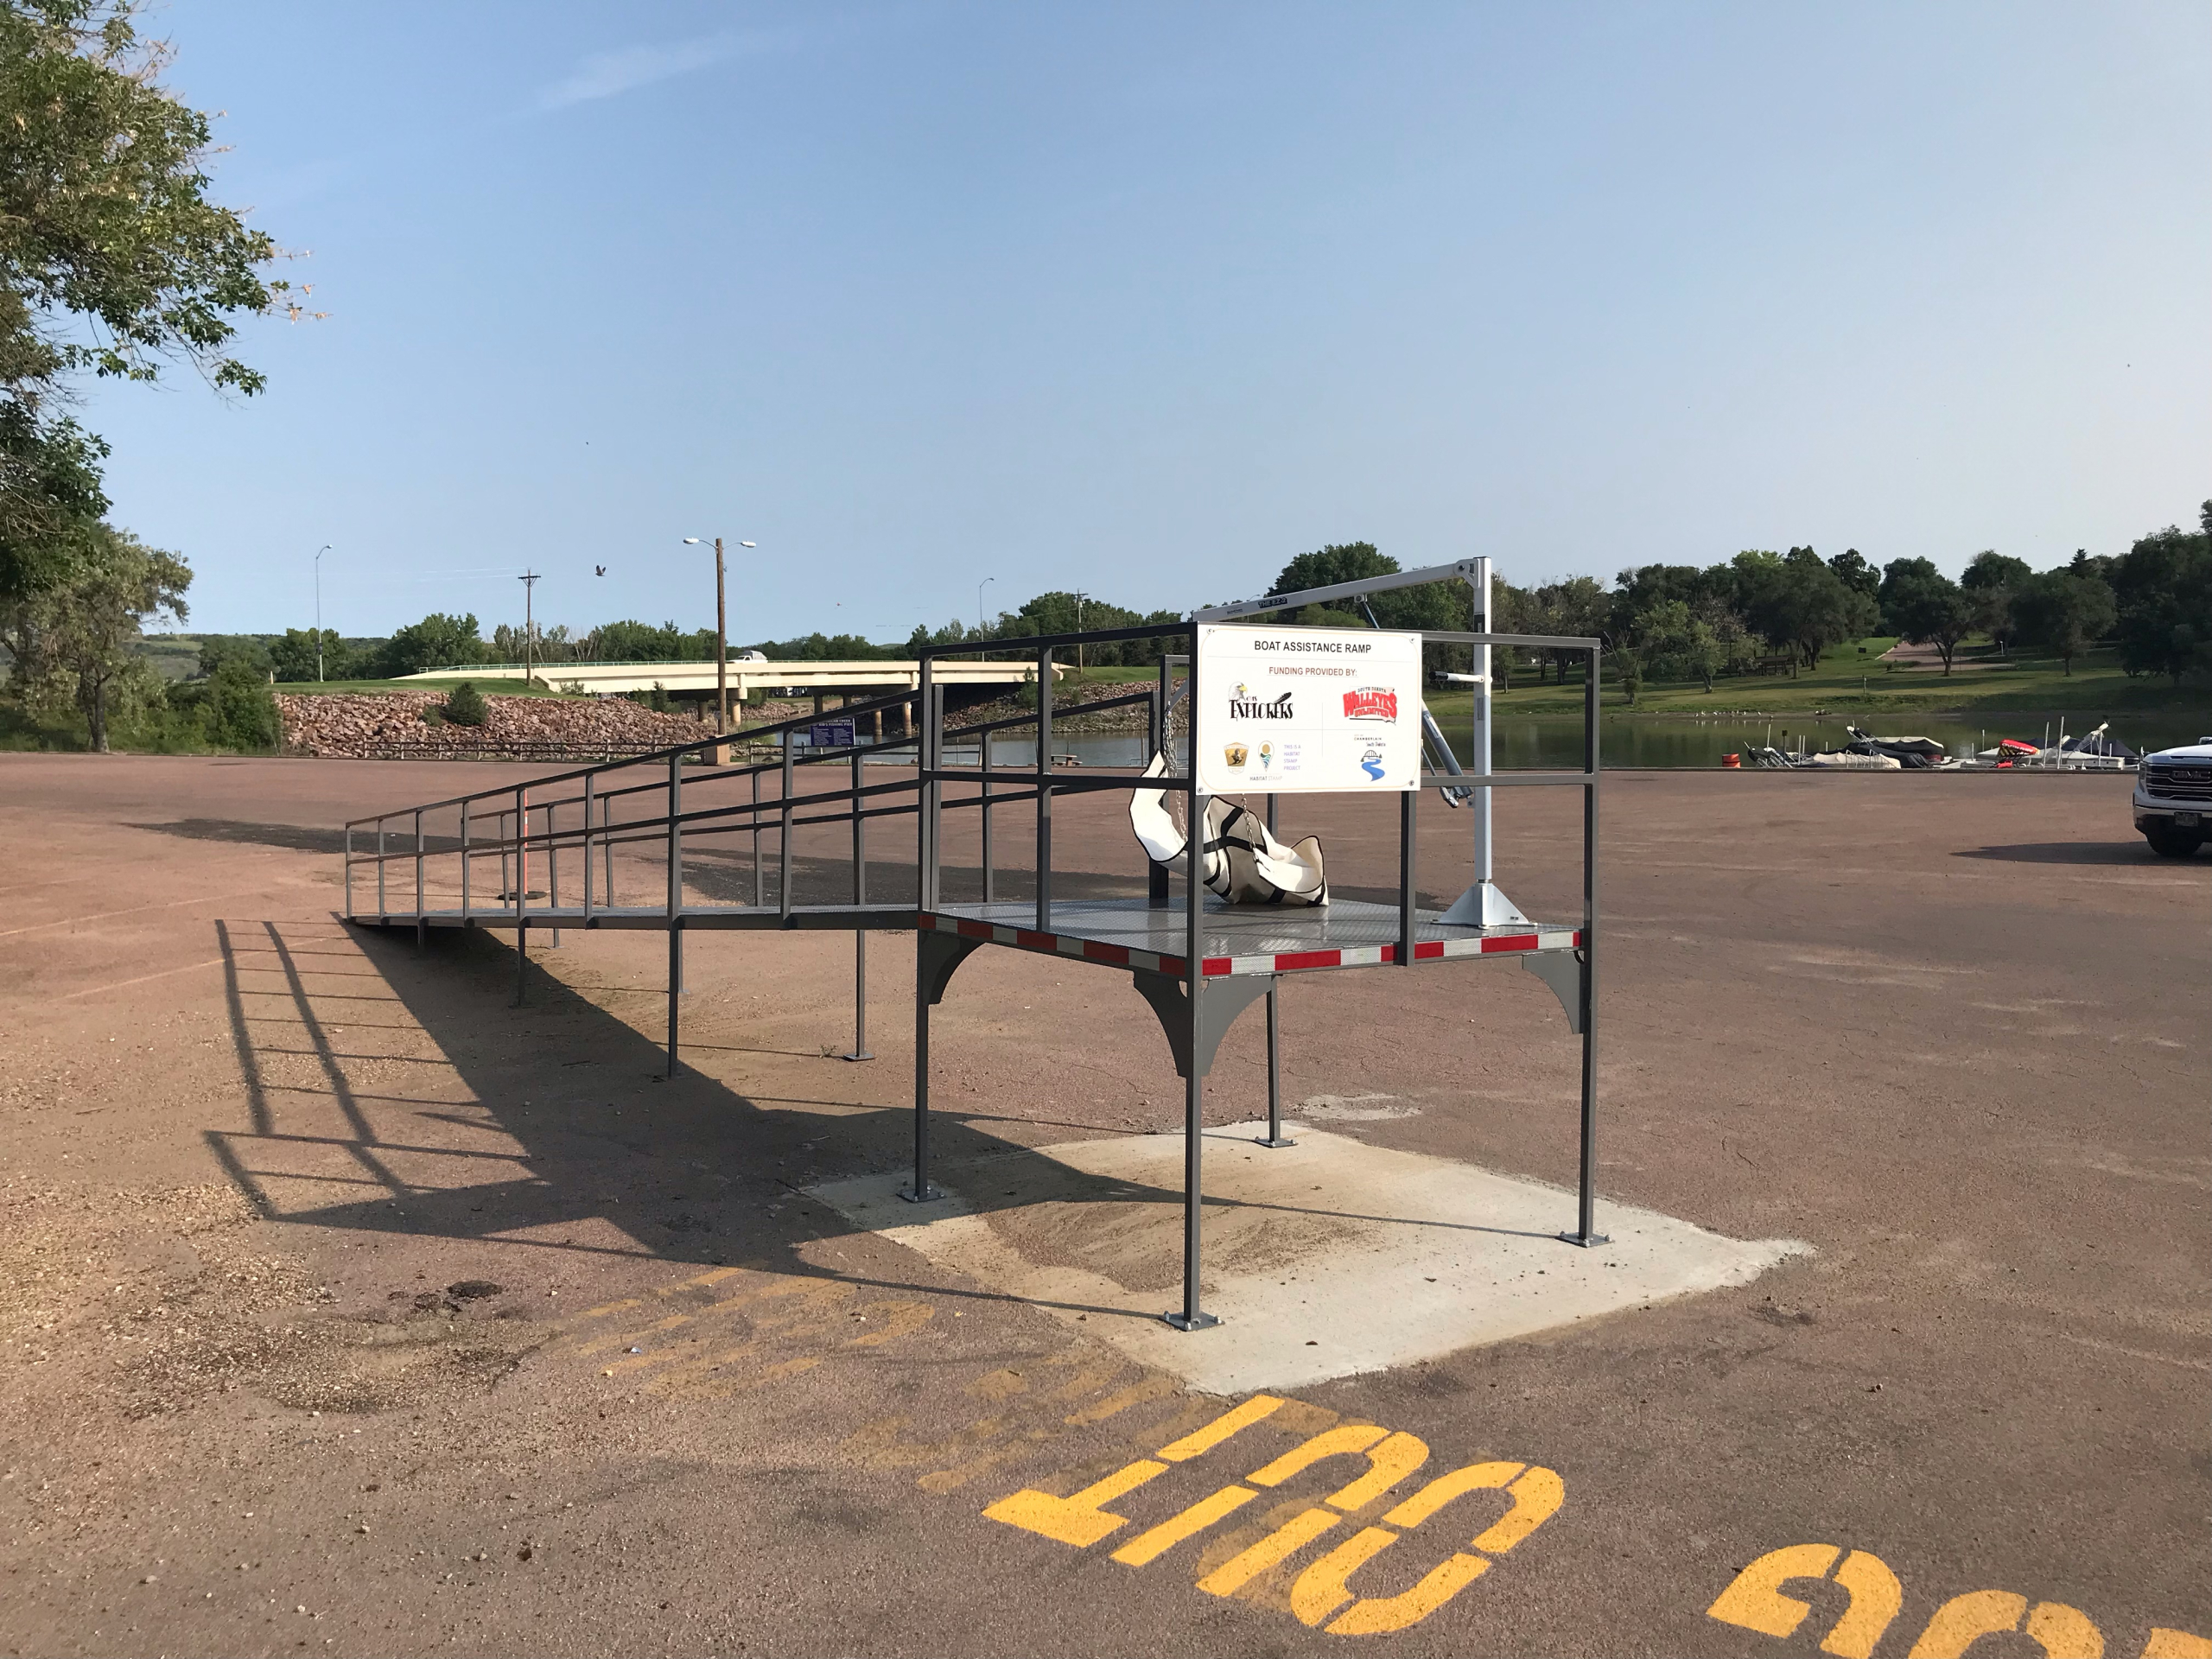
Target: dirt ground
x=346, y=1308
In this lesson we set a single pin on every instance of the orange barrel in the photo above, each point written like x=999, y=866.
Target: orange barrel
x=1736, y=760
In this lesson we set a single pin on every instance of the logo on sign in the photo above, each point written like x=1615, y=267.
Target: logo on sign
x=1236, y=755
x=1371, y=762
x=1267, y=756
x=1371, y=703
x=1245, y=706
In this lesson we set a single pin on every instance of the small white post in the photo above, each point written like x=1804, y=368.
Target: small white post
x=1482, y=905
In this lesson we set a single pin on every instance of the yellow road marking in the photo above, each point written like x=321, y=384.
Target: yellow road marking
x=1258, y=1406
x=905, y=1319
x=1348, y=1441
x=2164, y=1643
x=1280, y=1545
x=1147, y=1547
x=1320, y=1588
x=1476, y=1477
x=1875, y=1596
x=1392, y=1461
x=2062, y=1632
x=1376, y=1615
x=1082, y=1519
x=1120, y=1400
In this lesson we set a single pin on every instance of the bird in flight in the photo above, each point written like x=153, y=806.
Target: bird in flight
x=599, y=569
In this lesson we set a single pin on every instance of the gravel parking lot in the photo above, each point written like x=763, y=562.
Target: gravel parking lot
x=348, y=1308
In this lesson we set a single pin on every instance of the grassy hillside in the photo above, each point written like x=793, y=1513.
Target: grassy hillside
x=1853, y=678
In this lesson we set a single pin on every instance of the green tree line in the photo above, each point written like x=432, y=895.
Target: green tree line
x=1777, y=611
x=114, y=264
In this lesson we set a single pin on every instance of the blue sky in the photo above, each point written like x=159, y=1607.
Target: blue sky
x=1146, y=299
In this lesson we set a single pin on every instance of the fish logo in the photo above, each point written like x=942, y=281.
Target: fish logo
x=1371, y=763
x=1236, y=755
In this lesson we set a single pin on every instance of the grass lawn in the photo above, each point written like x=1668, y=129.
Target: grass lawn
x=1852, y=679
x=1848, y=682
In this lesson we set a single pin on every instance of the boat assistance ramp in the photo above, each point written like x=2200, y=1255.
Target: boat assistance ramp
x=1370, y=1257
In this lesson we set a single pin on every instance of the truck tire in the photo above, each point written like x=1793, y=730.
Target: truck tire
x=2174, y=843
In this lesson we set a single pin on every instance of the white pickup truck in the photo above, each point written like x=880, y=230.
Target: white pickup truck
x=2173, y=799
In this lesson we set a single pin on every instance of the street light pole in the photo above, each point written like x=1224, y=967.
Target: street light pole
x=980, y=586
x=320, y=551
x=528, y=623
x=722, y=633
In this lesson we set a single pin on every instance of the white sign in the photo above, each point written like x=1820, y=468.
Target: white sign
x=1284, y=709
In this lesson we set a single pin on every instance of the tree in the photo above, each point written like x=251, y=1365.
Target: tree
x=437, y=641
x=112, y=259
x=464, y=706
x=236, y=708
x=1433, y=605
x=1992, y=581
x=1577, y=609
x=1676, y=643
x=1923, y=605
x=1799, y=603
x=1853, y=572
x=2163, y=592
x=1628, y=667
x=293, y=657
x=2064, y=613
x=73, y=642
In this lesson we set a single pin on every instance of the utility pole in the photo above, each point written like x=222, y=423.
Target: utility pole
x=529, y=581
x=722, y=644
x=318, y=611
x=1079, y=597
x=721, y=639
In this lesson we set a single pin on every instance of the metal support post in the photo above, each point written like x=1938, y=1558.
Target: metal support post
x=349, y=872
x=860, y=933
x=760, y=893
x=919, y=1191
x=1407, y=849
x=784, y=839
x=1275, y=1136
x=607, y=847
x=381, y=906
x=587, y=793
x=521, y=874
x=675, y=904
x=465, y=862
x=1586, y=1233
x=1044, y=790
x=553, y=872
x=1156, y=875
x=422, y=927
x=675, y=991
x=1482, y=905
x=917, y=712
x=990, y=880
x=1192, y=1317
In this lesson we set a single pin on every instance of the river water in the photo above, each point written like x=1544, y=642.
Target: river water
x=1669, y=742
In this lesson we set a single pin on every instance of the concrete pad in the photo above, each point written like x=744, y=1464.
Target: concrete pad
x=1323, y=1259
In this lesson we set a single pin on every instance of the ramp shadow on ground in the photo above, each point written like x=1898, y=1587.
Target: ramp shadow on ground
x=396, y=1092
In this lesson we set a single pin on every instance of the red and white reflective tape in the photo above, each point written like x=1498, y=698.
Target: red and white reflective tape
x=1279, y=961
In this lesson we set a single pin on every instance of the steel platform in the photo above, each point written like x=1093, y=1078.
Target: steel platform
x=655, y=918
x=1134, y=933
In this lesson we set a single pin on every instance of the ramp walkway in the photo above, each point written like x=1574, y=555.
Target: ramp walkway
x=670, y=842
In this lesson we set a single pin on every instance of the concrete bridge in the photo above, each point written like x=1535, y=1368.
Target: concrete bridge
x=695, y=680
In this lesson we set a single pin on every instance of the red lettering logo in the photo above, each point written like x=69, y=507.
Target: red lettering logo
x=1371, y=703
